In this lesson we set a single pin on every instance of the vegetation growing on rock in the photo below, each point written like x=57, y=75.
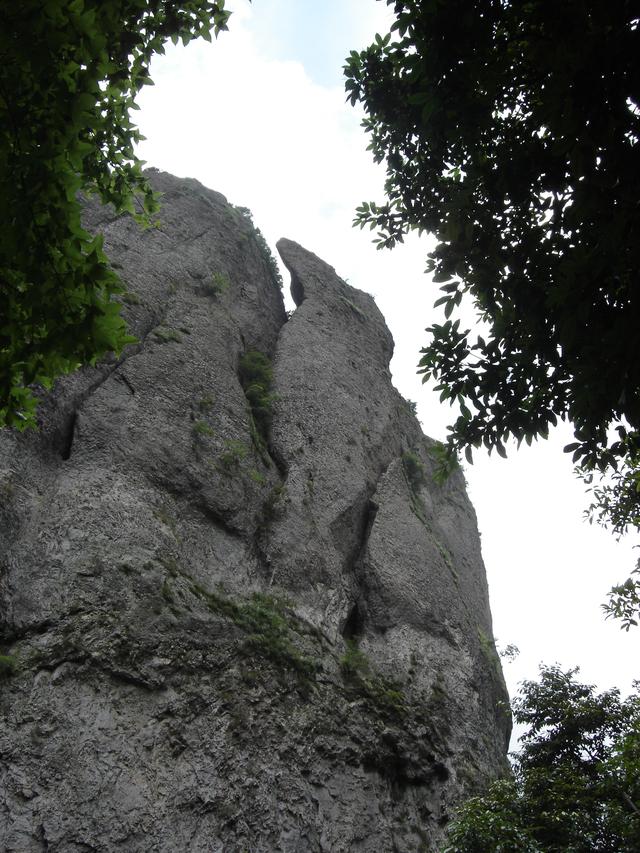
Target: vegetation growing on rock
x=263, y=247
x=71, y=74
x=256, y=377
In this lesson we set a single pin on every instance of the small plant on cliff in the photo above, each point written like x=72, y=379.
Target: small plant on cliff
x=576, y=782
x=257, y=477
x=353, y=307
x=7, y=666
x=234, y=452
x=269, y=625
x=384, y=695
x=354, y=663
x=263, y=247
x=414, y=475
x=202, y=428
x=267, y=622
x=217, y=285
x=205, y=404
x=256, y=378
x=489, y=652
x=414, y=470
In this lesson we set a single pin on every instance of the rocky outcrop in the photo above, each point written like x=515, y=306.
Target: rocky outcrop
x=233, y=616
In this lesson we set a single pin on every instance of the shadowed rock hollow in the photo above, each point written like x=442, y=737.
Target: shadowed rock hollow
x=233, y=617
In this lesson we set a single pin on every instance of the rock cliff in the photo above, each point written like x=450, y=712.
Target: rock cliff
x=236, y=612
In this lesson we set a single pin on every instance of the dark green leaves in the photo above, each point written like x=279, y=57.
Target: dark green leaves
x=511, y=132
x=624, y=601
x=576, y=779
x=71, y=71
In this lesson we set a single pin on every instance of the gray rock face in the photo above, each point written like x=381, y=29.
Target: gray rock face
x=227, y=631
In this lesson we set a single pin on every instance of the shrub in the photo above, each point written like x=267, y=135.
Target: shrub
x=202, y=428
x=354, y=663
x=256, y=377
x=206, y=403
x=414, y=470
x=383, y=694
x=217, y=285
x=7, y=666
x=235, y=452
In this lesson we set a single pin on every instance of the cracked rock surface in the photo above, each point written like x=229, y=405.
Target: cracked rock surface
x=226, y=633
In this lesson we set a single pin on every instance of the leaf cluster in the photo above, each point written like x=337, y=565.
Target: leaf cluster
x=71, y=73
x=615, y=494
x=624, y=601
x=510, y=131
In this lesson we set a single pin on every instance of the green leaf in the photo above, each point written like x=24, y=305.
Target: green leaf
x=534, y=201
x=71, y=71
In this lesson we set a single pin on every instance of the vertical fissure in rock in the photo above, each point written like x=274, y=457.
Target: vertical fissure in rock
x=126, y=382
x=357, y=615
x=255, y=374
x=354, y=623
x=296, y=289
x=68, y=433
x=365, y=515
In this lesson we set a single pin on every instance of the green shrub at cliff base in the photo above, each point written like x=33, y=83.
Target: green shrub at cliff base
x=71, y=70
x=576, y=784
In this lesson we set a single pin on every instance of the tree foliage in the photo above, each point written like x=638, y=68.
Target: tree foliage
x=624, y=601
x=576, y=784
x=510, y=131
x=71, y=70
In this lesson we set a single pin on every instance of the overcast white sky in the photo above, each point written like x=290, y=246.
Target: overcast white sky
x=260, y=115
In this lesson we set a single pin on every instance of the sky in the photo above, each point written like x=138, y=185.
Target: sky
x=260, y=115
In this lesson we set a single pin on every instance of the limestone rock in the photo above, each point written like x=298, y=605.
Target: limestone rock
x=221, y=637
